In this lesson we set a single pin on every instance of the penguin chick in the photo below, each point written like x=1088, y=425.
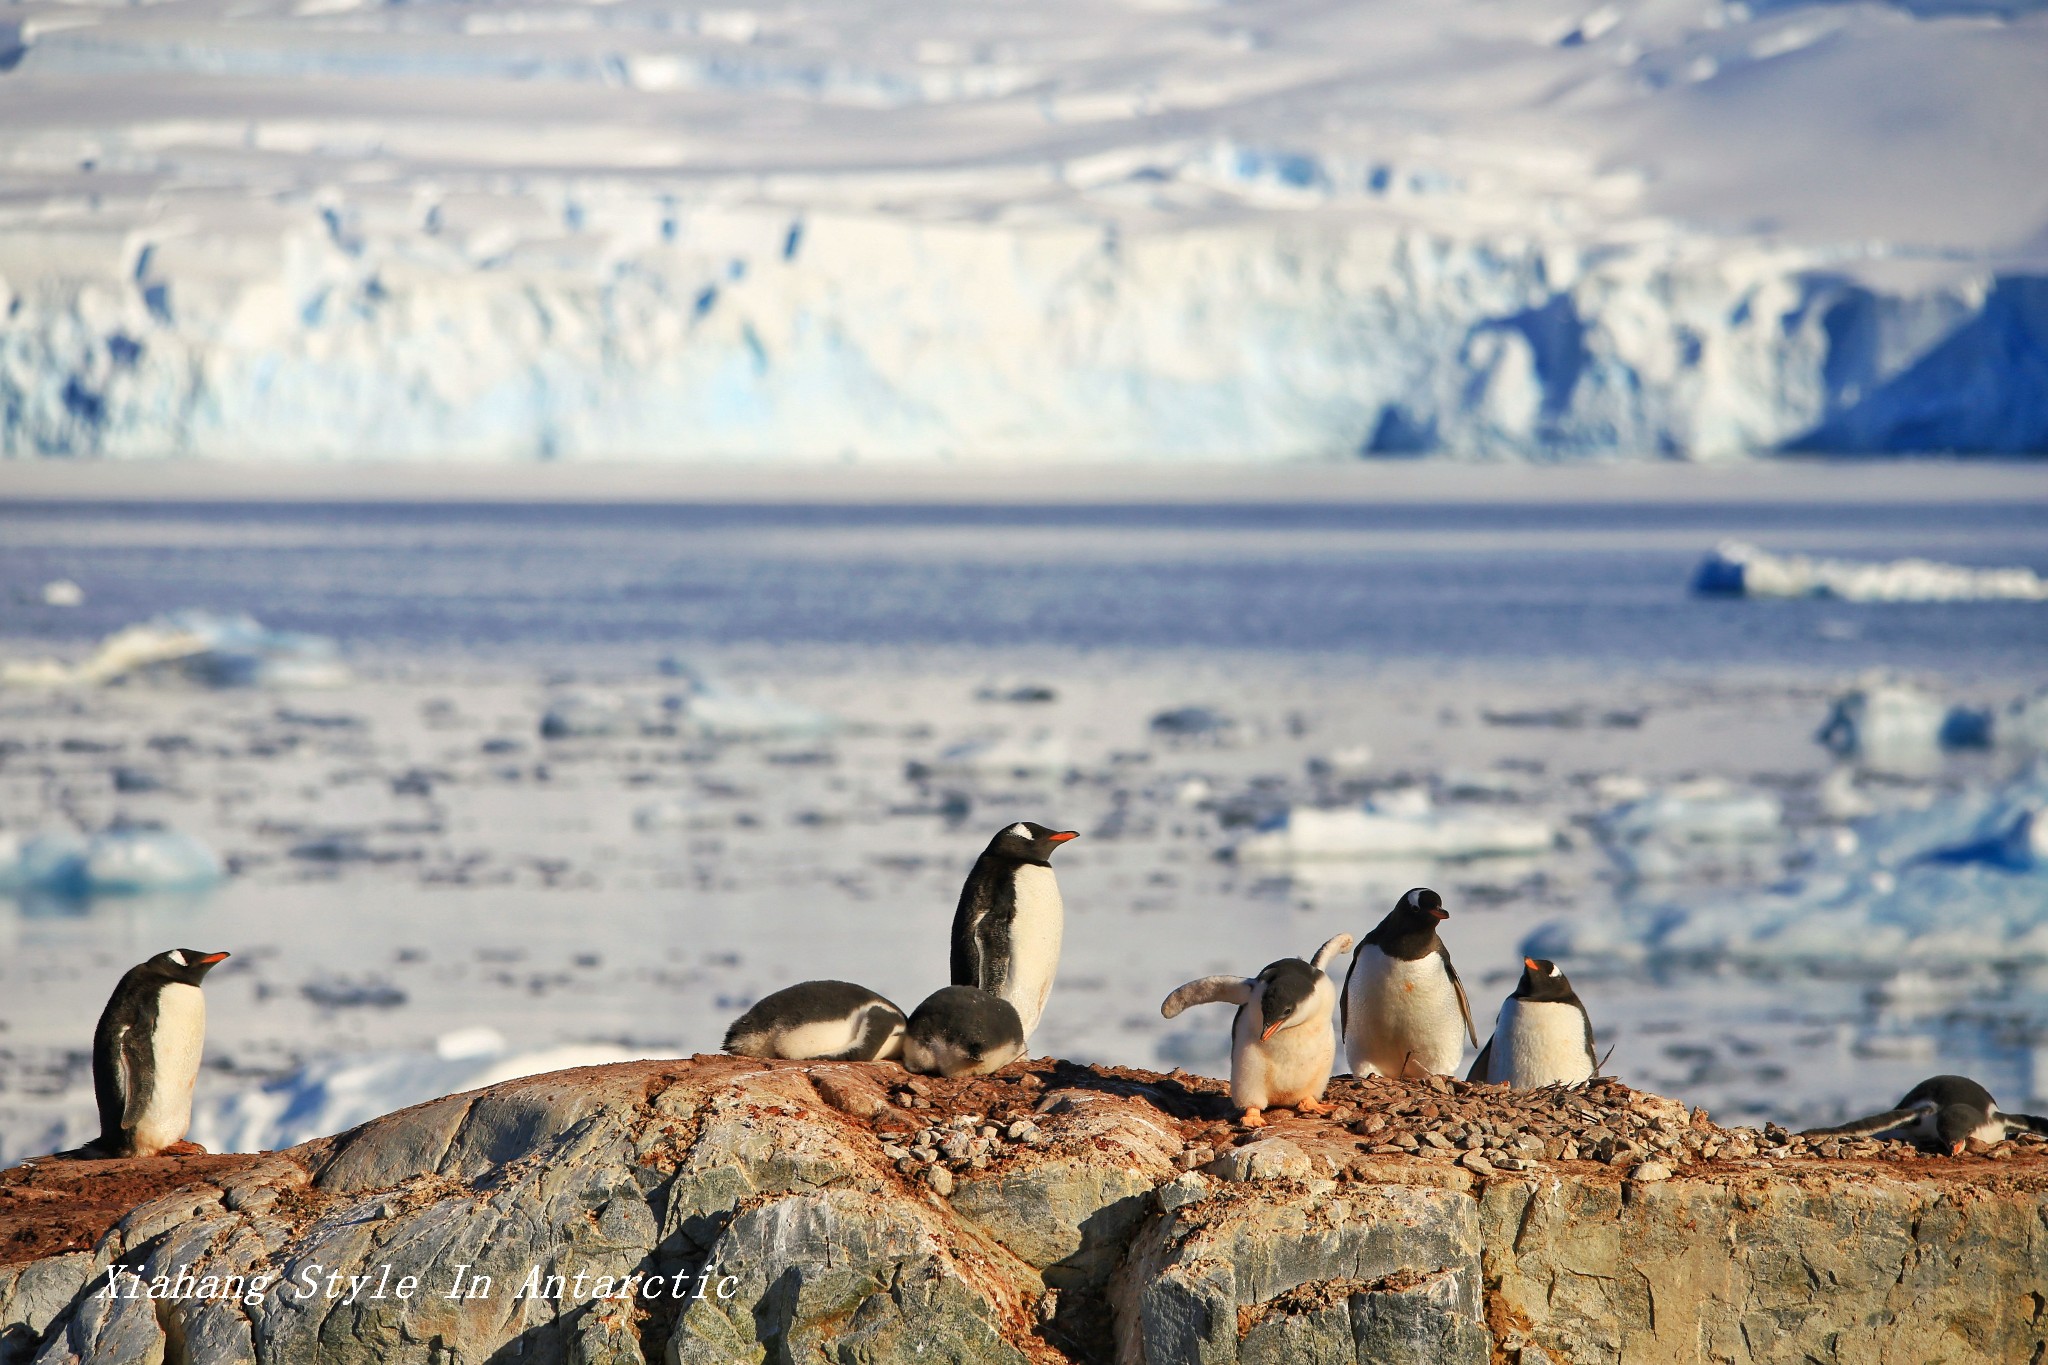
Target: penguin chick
x=1008, y=925
x=1943, y=1112
x=1404, y=1007
x=145, y=1054
x=833, y=1021
x=960, y=1031
x=1543, y=1035
x=1281, y=1045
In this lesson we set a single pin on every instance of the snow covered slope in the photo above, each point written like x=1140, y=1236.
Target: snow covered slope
x=1079, y=228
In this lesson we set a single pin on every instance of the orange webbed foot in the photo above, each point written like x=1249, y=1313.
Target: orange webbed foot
x=1252, y=1118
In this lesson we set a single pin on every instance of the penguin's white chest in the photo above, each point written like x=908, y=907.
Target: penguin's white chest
x=1035, y=934
x=174, y=1048
x=1291, y=1066
x=1539, y=1042
x=1397, y=1010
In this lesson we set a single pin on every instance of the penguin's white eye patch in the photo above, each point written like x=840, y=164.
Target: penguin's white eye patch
x=179, y=958
x=1018, y=831
x=1414, y=899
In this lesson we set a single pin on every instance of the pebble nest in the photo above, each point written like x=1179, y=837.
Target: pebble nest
x=941, y=1129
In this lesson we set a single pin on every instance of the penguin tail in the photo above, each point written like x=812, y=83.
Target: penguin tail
x=2026, y=1123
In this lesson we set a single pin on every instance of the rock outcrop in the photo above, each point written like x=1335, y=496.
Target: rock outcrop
x=725, y=1210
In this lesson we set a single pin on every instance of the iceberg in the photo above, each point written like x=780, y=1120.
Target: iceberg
x=195, y=649
x=1891, y=726
x=334, y=1094
x=715, y=710
x=1411, y=830
x=995, y=756
x=1737, y=569
x=121, y=860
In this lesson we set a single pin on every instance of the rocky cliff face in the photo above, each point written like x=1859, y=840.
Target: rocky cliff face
x=720, y=1209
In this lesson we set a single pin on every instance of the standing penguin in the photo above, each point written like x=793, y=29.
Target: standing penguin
x=1404, y=1006
x=833, y=1021
x=1006, y=931
x=1543, y=1035
x=960, y=1031
x=1944, y=1112
x=145, y=1054
x=1280, y=1043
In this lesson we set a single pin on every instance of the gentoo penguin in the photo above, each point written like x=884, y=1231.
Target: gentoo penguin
x=1006, y=931
x=1403, y=1003
x=1944, y=1112
x=145, y=1054
x=1280, y=1043
x=960, y=1031
x=833, y=1021
x=1543, y=1035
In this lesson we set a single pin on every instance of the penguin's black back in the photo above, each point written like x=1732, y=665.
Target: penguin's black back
x=121, y=1042
x=972, y=1020
x=983, y=923
x=1939, y=1092
x=813, y=1002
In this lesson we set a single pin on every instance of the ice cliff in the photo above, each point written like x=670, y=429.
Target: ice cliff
x=1527, y=229
x=1052, y=1213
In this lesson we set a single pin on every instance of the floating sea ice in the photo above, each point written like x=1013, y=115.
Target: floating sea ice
x=194, y=648
x=1039, y=754
x=62, y=592
x=1736, y=569
x=121, y=860
x=1895, y=727
x=329, y=1096
x=1194, y=722
x=716, y=711
x=1410, y=829
x=579, y=715
x=1689, y=826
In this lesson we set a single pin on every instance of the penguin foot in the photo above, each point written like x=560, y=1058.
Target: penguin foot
x=183, y=1148
x=1311, y=1107
x=1252, y=1118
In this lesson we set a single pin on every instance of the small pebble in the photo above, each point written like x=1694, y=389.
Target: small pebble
x=1650, y=1171
x=940, y=1179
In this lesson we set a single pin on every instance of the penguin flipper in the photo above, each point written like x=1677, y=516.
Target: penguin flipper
x=1209, y=990
x=130, y=1066
x=1592, y=1054
x=1321, y=960
x=1875, y=1123
x=1481, y=1063
x=1464, y=1005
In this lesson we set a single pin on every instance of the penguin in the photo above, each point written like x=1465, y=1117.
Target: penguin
x=1403, y=1002
x=961, y=1031
x=1543, y=1035
x=1006, y=930
x=145, y=1054
x=1944, y=1112
x=832, y=1021
x=1281, y=1045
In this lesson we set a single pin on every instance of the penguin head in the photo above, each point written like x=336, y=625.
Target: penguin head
x=1285, y=990
x=1953, y=1124
x=1026, y=842
x=1541, y=980
x=1409, y=930
x=188, y=966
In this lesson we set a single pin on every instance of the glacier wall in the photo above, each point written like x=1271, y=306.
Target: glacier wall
x=630, y=326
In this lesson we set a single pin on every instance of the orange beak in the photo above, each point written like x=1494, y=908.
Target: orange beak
x=212, y=958
x=1530, y=963
x=1271, y=1029
x=1062, y=837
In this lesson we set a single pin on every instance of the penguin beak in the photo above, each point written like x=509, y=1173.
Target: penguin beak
x=212, y=958
x=1063, y=836
x=1956, y=1149
x=1439, y=914
x=1271, y=1029
x=1530, y=963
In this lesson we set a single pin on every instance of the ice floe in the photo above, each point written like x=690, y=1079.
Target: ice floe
x=1688, y=827
x=194, y=648
x=1038, y=754
x=126, y=859
x=331, y=1095
x=1891, y=726
x=1402, y=825
x=1959, y=881
x=1737, y=569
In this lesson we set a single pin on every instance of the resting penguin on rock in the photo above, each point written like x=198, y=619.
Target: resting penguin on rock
x=1405, y=1011
x=145, y=1054
x=1943, y=1112
x=1543, y=1035
x=1007, y=928
x=1281, y=1045
x=960, y=1031
x=832, y=1021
